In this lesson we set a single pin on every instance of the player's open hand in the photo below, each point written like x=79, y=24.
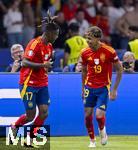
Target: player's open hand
x=113, y=95
x=48, y=64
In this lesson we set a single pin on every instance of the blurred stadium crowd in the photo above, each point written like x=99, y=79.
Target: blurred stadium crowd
x=118, y=19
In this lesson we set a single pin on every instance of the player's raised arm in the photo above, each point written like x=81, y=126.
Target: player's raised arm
x=119, y=70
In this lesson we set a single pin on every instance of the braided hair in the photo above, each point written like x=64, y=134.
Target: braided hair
x=49, y=22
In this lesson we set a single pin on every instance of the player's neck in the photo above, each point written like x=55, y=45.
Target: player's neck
x=96, y=46
x=44, y=40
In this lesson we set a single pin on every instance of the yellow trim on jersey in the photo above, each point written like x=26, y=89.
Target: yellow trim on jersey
x=84, y=49
x=33, y=45
x=110, y=49
x=25, y=85
x=86, y=80
x=109, y=85
x=108, y=88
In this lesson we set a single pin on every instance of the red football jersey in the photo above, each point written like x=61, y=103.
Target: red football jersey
x=37, y=52
x=99, y=65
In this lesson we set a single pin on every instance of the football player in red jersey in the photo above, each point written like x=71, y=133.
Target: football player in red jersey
x=33, y=75
x=97, y=61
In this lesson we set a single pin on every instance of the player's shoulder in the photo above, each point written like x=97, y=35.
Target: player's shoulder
x=108, y=48
x=85, y=51
x=34, y=43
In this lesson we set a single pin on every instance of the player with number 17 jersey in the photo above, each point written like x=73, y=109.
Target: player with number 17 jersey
x=36, y=77
x=33, y=82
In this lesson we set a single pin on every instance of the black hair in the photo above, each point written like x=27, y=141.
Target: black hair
x=74, y=27
x=49, y=23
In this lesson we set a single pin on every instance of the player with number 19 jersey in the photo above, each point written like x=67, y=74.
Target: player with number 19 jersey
x=99, y=65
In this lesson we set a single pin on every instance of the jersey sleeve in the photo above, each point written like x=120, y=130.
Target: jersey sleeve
x=83, y=58
x=31, y=50
x=114, y=58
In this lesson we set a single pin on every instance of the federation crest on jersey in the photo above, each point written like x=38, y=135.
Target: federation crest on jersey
x=102, y=57
x=96, y=61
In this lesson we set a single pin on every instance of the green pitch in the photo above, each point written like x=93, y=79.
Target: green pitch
x=81, y=143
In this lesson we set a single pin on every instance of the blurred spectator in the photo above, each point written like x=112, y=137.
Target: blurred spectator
x=13, y=21
x=59, y=43
x=91, y=9
x=52, y=5
x=17, y=52
x=29, y=22
x=80, y=19
x=103, y=2
x=136, y=66
x=45, y=6
x=88, y=8
x=130, y=65
x=37, y=9
x=128, y=5
x=128, y=19
x=101, y=20
x=133, y=44
x=3, y=10
x=56, y=5
x=114, y=13
x=73, y=67
x=69, y=9
x=73, y=45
